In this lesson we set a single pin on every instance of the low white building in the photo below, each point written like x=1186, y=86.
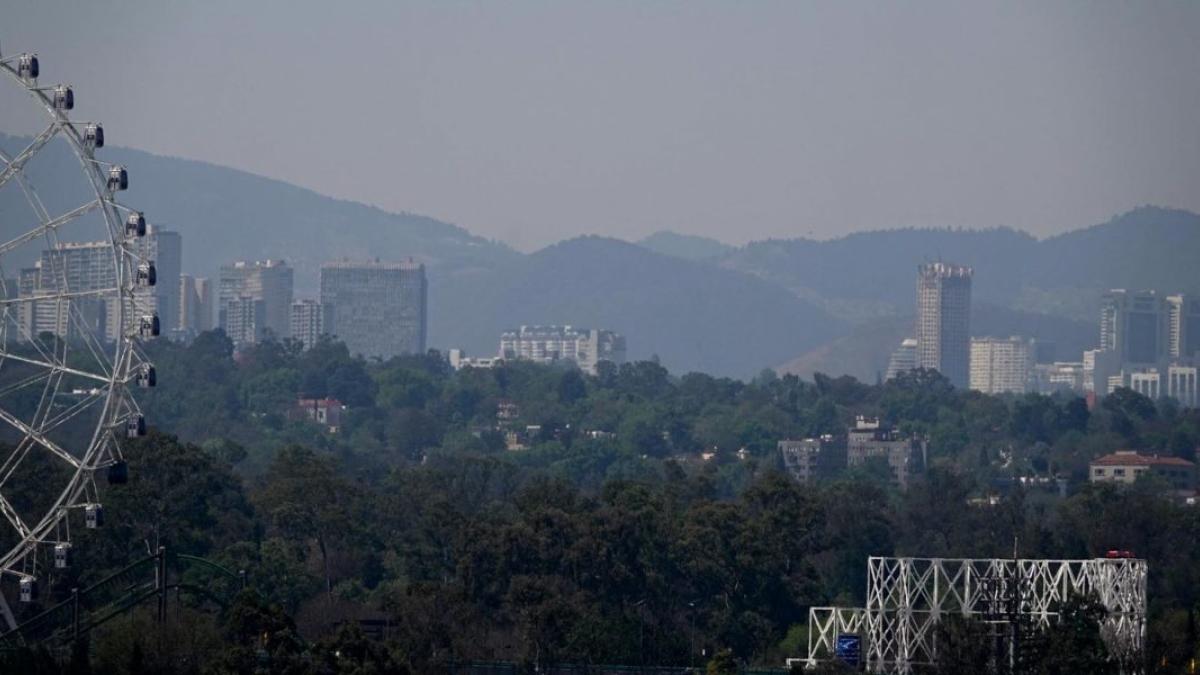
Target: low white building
x=547, y=344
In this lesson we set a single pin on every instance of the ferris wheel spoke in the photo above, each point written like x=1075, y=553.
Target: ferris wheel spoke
x=58, y=367
x=11, y=515
x=31, y=380
x=15, y=164
x=97, y=351
x=67, y=415
x=41, y=439
x=58, y=296
x=50, y=226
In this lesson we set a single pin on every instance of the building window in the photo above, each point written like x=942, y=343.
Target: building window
x=1118, y=472
x=1098, y=472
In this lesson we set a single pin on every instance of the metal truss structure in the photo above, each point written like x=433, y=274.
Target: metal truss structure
x=908, y=597
x=75, y=303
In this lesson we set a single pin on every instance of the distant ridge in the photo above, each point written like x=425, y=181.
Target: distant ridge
x=686, y=246
x=1148, y=247
x=692, y=315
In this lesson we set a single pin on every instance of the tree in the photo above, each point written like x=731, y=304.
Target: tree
x=571, y=387
x=305, y=500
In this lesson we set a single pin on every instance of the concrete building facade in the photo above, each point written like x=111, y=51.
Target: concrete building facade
x=195, y=305
x=1134, y=326
x=869, y=440
x=1183, y=327
x=1001, y=365
x=267, y=281
x=547, y=344
x=944, y=320
x=811, y=459
x=310, y=320
x=380, y=309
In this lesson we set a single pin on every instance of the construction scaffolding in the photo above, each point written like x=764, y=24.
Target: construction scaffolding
x=907, y=598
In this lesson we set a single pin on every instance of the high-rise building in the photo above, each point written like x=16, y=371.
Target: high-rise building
x=1001, y=365
x=379, y=308
x=269, y=281
x=903, y=359
x=77, y=268
x=547, y=344
x=944, y=320
x=195, y=305
x=310, y=320
x=1134, y=325
x=164, y=248
x=243, y=319
x=1183, y=326
x=85, y=267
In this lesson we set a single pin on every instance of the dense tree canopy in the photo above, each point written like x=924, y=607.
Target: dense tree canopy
x=643, y=519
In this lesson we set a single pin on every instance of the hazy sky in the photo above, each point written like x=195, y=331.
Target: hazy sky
x=531, y=122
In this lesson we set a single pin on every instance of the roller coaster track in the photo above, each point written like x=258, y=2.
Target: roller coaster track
x=151, y=578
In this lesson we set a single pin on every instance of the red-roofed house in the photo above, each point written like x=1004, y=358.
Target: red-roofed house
x=1124, y=466
x=324, y=411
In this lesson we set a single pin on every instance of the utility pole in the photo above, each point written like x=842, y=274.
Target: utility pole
x=160, y=582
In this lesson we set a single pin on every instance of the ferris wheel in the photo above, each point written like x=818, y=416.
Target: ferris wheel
x=77, y=291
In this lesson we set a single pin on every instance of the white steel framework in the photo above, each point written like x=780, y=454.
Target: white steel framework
x=73, y=307
x=907, y=597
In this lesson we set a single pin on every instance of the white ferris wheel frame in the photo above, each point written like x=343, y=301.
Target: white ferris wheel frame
x=118, y=363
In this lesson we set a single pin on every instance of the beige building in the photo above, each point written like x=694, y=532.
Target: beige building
x=1126, y=466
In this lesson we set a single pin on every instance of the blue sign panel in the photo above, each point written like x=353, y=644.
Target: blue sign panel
x=848, y=649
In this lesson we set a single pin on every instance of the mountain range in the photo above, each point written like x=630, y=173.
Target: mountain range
x=837, y=306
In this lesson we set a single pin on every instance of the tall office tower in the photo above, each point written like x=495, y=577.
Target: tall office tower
x=903, y=359
x=195, y=304
x=1134, y=325
x=311, y=320
x=944, y=320
x=1001, y=366
x=244, y=320
x=379, y=308
x=269, y=281
x=1183, y=319
x=164, y=248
